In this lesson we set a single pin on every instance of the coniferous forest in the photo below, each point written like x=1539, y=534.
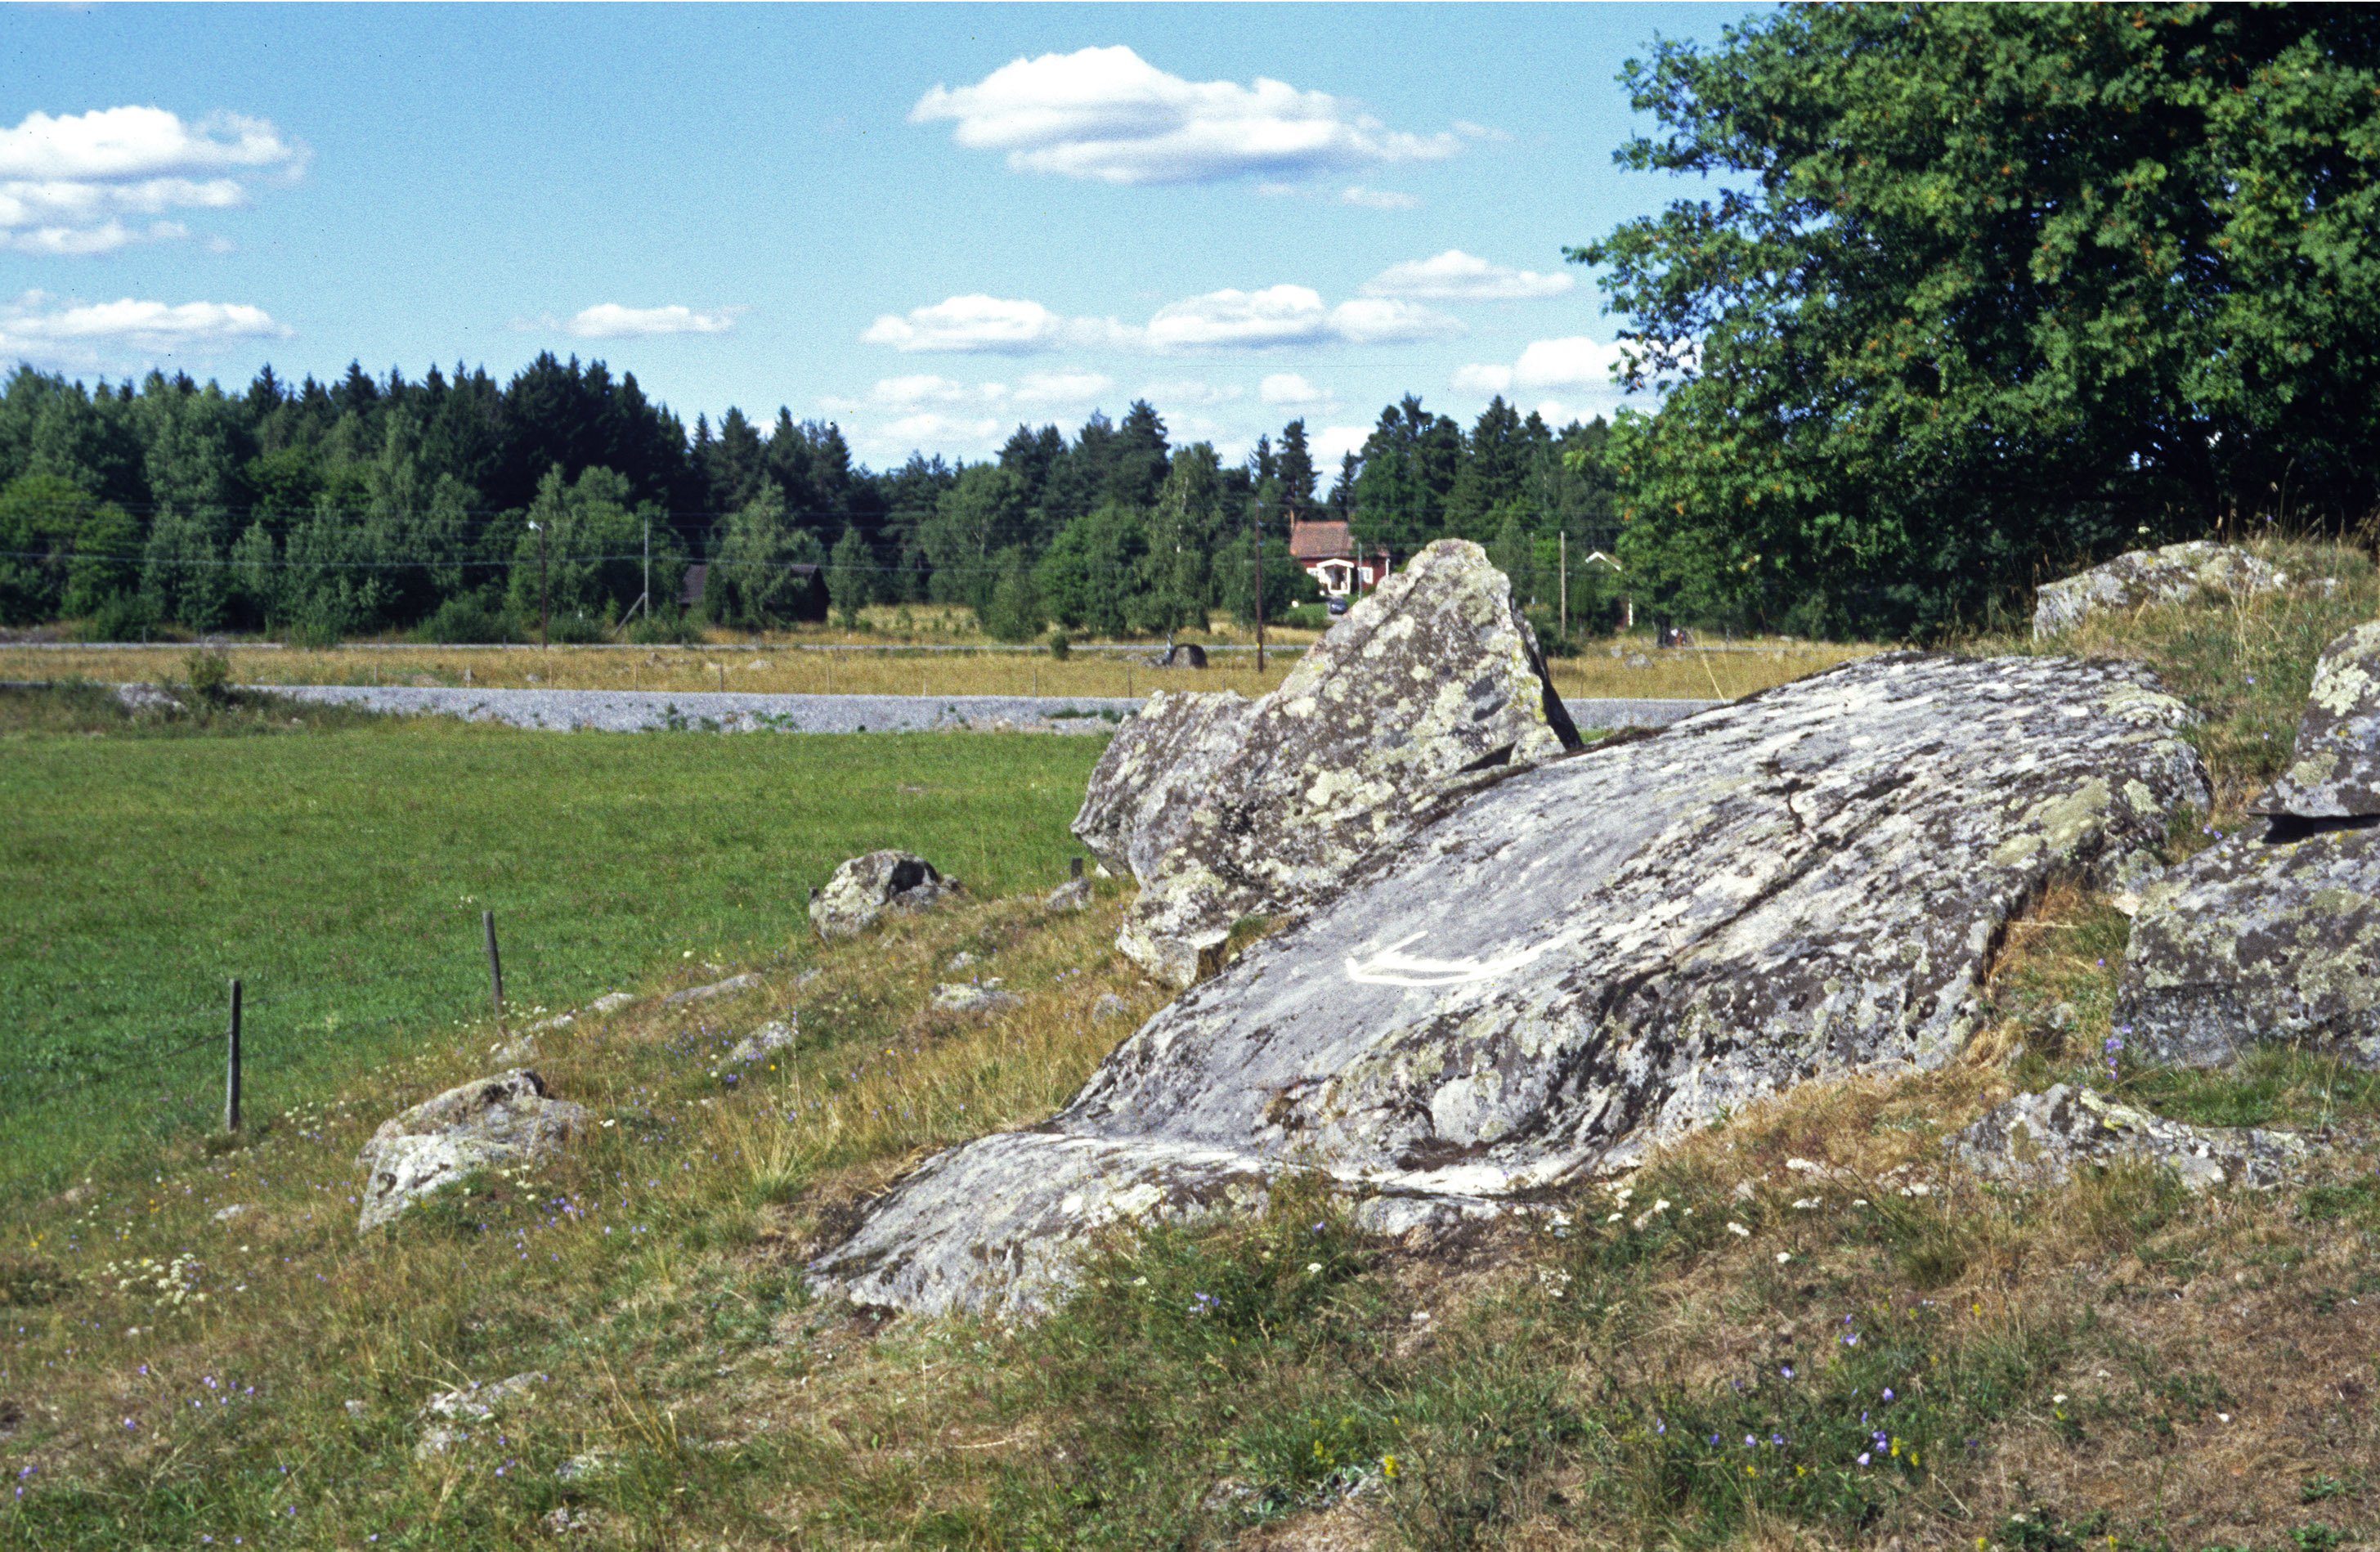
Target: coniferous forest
x=373, y=505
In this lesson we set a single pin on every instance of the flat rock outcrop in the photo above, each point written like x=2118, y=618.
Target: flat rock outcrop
x=2173, y=573
x=865, y=889
x=1568, y=961
x=505, y=1120
x=2273, y=934
x=2335, y=772
x=1224, y=808
x=2043, y=1138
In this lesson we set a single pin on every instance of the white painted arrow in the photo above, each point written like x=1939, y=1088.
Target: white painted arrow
x=1391, y=966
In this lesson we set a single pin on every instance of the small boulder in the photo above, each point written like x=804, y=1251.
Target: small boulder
x=503, y=1119
x=456, y=1411
x=138, y=699
x=1224, y=809
x=728, y=987
x=2042, y=1138
x=957, y=997
x=767, y=1040
x=865, y=889
x=1074, y=894
x=2335, y=772
x=2271, y=935
x=612, y=1002
x=2175, y=573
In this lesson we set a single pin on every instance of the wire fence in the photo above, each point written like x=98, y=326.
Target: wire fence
x=76, y=1055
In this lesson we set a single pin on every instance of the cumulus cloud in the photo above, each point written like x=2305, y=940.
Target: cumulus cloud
x=1332, y=443
x=610, y=321
x=67, y=182
x=1291, y=388
x=41, y=327
x=1189, y=391
x=1108, y=115
x=1061, y=388
x=1282, y=315
x=1455, y=274
x=1377, y=199
x=1278, y=315
x=977, y=324
x=1573, y=362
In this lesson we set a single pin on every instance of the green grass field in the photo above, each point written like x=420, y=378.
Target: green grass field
x=341, y=874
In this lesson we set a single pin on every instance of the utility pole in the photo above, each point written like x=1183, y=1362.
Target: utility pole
x=1255, y=550
x=539, y=530
x=1565, y=540
x=646, y=598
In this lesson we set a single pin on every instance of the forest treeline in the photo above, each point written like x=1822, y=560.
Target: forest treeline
x=444, y=504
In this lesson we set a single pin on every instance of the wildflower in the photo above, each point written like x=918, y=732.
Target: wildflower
x=1389, y=1466
x=1783, y=1257
x=1863, y=1459
x=1786, y=1369
x=1738, y=1230
x=1887, y=1392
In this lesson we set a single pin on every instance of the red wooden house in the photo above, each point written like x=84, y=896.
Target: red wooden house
x=1329, y=554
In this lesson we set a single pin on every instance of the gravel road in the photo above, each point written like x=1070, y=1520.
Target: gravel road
x=651, y=710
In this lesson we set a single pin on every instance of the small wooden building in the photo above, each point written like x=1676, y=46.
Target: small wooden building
x=1327, y=551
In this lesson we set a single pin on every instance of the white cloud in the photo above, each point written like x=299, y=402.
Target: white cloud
x=1278, y=315
x=1479, y=378
x=1575, y=363
x=42, y=327
x=610, y=321
x=1375, y=321
x=1189, y=391
x=1107, y=114
x=1291, y=388
x=66, y=182
x=1332, y=443
x=933, y=431
x=1061, y=388
x=1456, y=274
x=1377, y=199
x=994, y=324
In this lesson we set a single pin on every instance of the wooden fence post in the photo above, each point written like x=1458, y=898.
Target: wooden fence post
x=495, y=967
x=231, y=1068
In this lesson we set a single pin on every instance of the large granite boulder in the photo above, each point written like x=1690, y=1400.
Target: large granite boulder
x=1224, y=809
x=2041, y=1139
x=2175, y=573
x=509, y=1118
x=2336, y=772
x=2273, y=934
x=865, y=889
x=1571, y=961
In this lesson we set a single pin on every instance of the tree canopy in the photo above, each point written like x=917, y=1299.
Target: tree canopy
x=1985, y=291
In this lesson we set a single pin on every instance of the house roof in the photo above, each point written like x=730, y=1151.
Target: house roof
x=1324, y=541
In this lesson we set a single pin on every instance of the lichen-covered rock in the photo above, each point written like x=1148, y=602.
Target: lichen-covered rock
x=963, y=997
x=767, y=1040
x=2041, y=1139
x=1157, y=769
x=1571, y=961
x=2175, y=573
x=1226, y=810
x=2336, y=770
x=728, y=987
x=865, y=889
x=1074, y=894
x=505, y=1120
x=2273, y=934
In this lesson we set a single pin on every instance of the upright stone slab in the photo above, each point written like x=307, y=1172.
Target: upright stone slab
x=2273, y=934
x=2175, y=573
x=2336, y=770
x=1223, y=813
x=1571, y=961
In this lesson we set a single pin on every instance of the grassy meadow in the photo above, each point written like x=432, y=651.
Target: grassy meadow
x=340, y=871
x=1794, y=1329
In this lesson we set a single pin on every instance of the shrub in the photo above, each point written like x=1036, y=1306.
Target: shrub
x=463, y=620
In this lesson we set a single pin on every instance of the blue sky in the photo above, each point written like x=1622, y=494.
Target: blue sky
x=924, y=223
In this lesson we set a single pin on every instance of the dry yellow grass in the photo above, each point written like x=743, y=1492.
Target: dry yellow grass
x=780, y=667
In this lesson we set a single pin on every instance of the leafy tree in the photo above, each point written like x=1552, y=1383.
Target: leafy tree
x=749, y=584
x=41, y=515
x=1985, y=290
x=1095, y=568
x=851, y=576
x=1015, y=612
x=592, y=552
x=981, y=513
